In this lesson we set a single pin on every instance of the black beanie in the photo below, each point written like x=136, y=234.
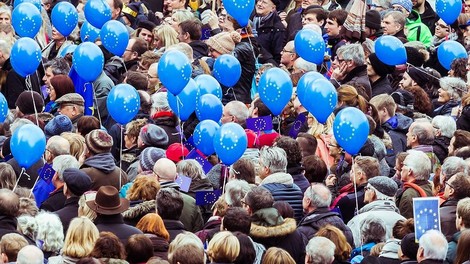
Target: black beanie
x=419, y=75
x=25, y=102
x=373, y=19
x=379, y=67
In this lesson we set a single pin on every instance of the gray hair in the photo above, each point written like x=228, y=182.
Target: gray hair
x=274, y=158
x=50, y=231
x=58, y=66
x=398, y=17
x=453, y=165
x=160, y=101
x=190, y=168
x=239, y=110
x=353, y=52
x=19, y=122
x=456, y=87
x=381, y=196
x=235, y=191
x=28, y=226
x=423, y=131
x=5, y=47
x=304, y=65
x=446, y=124
x=58, y=145
x=320, y=250
x=319, y=195
x=434, y=245
x=419, y=163
x=373, y=230
x=63, y=162
x=30, y=255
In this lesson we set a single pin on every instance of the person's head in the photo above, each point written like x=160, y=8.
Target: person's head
x=153, y=81
x=132, y=132
x=169, y=203
x=223, y=247
x=462, y=253
x=462, y=214
x=334, y=22
x=28, y=103
x=50, y=231
x=348, y=96
x=380, y=188
x=60, y=85
x=71, y=105
x=373, y=21
x=243, y=169
x=416, y=166
x=8, y=178
x=97, y=142
x=56, y=146
x=393, y=22
x=432, y=245
x=316, y=196
x=247, y=250
x=403, y=6
x=258, y=198
x=452, y=89
x=408, y=247
x=444, y=126
x=235, y=190
x=148, y=58
x=135, y=48
x=144, y=31
x=5, y=15
x=165, y=170
x=235, y=111
x=9, y=203
x=10, y=245
x=457, y=187
x=342, y=247
x=223, y=43
x=420, y=133
x=145, y=188
x=77, y=144
x=236, y=219
x=108, y=245
x=350, y=55
x=86, y=124
x=55, y=67
x=376, y=68
x=364, y=168
x=292, y=149
x=288, y=54
x=373, y=230
x=451, y=166
x=190, y=168
x=186, y=248
x=152, y=223
x=308, y=144
x=189, y=30
x=139, y=249
x=385, y=106
x=320, y=250
x=460, y=139
x=30, y=255
x=314, y=15
x=265, y=7
x=152, y=136
x=116, y=8
x=458, y=68
x=315, y=169
x=272, y=160
x=165, y=36
x=275, y=255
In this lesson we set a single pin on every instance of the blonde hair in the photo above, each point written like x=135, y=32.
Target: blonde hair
x=186, y=246
x=348, y=95
x=275, y=255
x=182, y=15
x=223, y=247
x=77, y=143
x=343, y=249
x=81, y=237
x=384, y=101
x=190, y=168
x=316, y=128
x=152, y=223
x=166, y=34
x=144, y=188
x=84, y=210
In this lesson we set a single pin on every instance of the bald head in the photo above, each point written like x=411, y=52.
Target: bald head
x=30, y=255
x=9, y=203
x=56, y=146
x=421, y=133
x=165, y=170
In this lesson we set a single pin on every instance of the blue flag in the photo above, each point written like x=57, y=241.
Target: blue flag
x=298, y=123
x=184, y=182
x=209, y=197
x=260, y=124
x=206, y=165
x=189, y=143
x=85, y=89
x=46, y=173
x=426, y=215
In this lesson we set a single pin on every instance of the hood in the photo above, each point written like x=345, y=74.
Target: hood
x=413, y=18
x=380, y=205
x=390, y=249
x=399, y=122
x=140, y=209
x=200, y=185
x=199, y=47
x=288, y=226
x=103, y=162
x=279, y=177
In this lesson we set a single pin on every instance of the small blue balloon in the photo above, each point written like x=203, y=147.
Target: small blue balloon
x=184, y=104
x=64, y=18
x=69, y=49
x=209, y=107
x=174, y=71
x=230, y=142
x=123, y=103
x=26, y=20
x=203, y=136
x=310, y=45
x=88, y=61
x=115, y=37
x=3, y=108
x=25, y=56
x=28, y=144
x=207, y=84
x=227, y=70
x=304, y=82
x=450, y=50
x=390, y=50
x=89, y=32
x=240, y=10
x=275, y=89
x=351, y=129
x=448, y=10
x=97, y=12
x=320, y=99
x=36, y=3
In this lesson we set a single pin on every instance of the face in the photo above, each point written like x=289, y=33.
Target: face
x=356, y=174
x=146, y=35
x=444, y=96
x=417, y=3
x=389, y=26
x=400, y=8
x=68, y=110
x=451, y=146
x=410, y=136
x=213, y=53
x=128, y=53
x=310, y=19
x=5, y=19
x=449, y=188
x=264, y=7
x=442, y=29
x=287, y=54
x=305, y=203
x=115, y=12
x=129, y=140
x=335, y=149
x=369, y=194
x=467, y=6
x=51, y=91
x=263, y=171
x=332, y=28
x=406, y=81
x=152, y=78
x=226, y=117
x=307, y=3
x=47, y=77
x=405, y=172
x=370, y=69
x=176, y=4
x=56, y=35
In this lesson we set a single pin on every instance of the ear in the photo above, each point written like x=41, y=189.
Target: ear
x=420, y=254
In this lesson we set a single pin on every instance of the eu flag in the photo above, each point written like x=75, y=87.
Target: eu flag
x=46, y=173
x=206, y=165
x=184, y=182
x=260, y=124
x=85, y=89
x=426, y=215
x=298, y=123
x=207, y=197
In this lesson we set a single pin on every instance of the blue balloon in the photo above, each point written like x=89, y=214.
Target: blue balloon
x=230, y=142
x=69, y=49
x=174, y=71
x=227, y=70
x=184, y=104
x=203, y=136
x=310, y=45
x=275, y=89
x=115, y=37
x=88, y=61
x=390, y=50
x=207, y=84
x=28, y=144
x=240, y=10
x=25, y=56
x=305, y=81
x=209, y=107
x=97, y=12
x=36, y=3
x=448, y=10
x=450, y=50
x=3, y=108
x=320, y=99
x=64, y=18
x=26, y=20
x=351, y=129
x=123, y=103
x=89, y=32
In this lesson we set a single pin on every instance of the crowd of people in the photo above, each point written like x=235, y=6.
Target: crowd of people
x=115, y=193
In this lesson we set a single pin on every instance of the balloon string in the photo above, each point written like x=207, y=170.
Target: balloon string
x=180, y=124
x=29, y=87
x=95, y=101
x=23, y=171
x=120, y=157
x=32, y=188
x=225, y=178
x=355, y=195
x=251, y=44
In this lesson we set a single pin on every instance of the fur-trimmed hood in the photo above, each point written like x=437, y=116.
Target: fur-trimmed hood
x=283, y=227
x=140, y=210
x=279, y=177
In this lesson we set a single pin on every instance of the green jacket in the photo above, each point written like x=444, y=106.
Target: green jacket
x=416, y=30
x=405, y=198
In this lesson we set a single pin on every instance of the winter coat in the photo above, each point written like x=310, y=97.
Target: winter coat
x=356, y=75
x=404, y=198
x=282, y=187
x=174, y=228
x=320, y=217
x=445, y=109
x=440, y=147
x=115, y=224
x=211, y=227
x=463, y=121
x=383, y=209
x=447, y=214
x=429, y=17
x=271, y=230
x=8, y=225
x=452, y=249
x=69, y=212
x=103, y=171
x=397, y=127
x=380, y=152
x=15, y=84
x=416, y=30
x=381, y=86
x=168, y=121
x=138, y=210
x=299, y=177
x=46, y=53
x=389, y=254
x=347, y=204
x=271, y=34
x=101, y=87
x=160, y=246
x=200, y=49
x=55, y=201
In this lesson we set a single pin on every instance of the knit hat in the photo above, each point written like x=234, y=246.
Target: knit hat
x=26, y=105
x=419, y=75
x=98, y=141
x=379, y=67
x=58, y=124
x=131, y=11
x=154, y=136
x=406, y=4
x=403, y=99
x=384, y=185
x=149, y=156
x=409, y=247
x=176, y=152
x=267, y=139
x=224, y=42
x=251, y=138
x=367, y=149
x=78, y=182
x=373, y=19
x=147, y=25
x=71, y=98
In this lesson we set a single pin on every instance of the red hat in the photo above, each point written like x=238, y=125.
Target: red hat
x=251, y=135
x=267, y=139
x=176, y=152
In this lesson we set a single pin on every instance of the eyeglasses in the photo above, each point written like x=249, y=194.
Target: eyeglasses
x=437, y=24
x=333, y=145
x=448, y=184
x=151, y=77
x=287, y=51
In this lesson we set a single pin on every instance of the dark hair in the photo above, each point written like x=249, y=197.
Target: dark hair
x=139, y=249
x=319, y=12
x=137, y=79
x=108, y=245
x=86, y=124
x=237, y=219
x=292, y=149
x=140, y=46
x=263, y=110
x=62, y=85
x=402, y=228
x=461, y=186
x=463, y=152
x=462, y=252
x=284, y=209
x=315, y=169
x=461, y=139
x=338, y=15
x=169, y=204
x=192, y=27
x=58, y=66
x=247, y=249
x=145, y=101
x=422, y=102
x=259, y=198
x=459, y=66
x=244, y=170
x=308, y=144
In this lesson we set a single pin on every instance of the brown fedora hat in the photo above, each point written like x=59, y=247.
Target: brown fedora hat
x=107, y=201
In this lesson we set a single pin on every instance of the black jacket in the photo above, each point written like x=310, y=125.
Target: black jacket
x=55, y=201
x=272, y=35
x=169, y=124
x=447, y=214
x=69, y=212
x=440, y=148
x=347, y=204
x=174, y=228
x=381, y=86
x=8, y=225
x=200, y=49
x=115, y=224
x=429, y=17
x=357, y=75
x=463, y=122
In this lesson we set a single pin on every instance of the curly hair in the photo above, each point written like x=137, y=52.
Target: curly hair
x=108, y=245
x=459, y=68
x=292, y=149
x=422, y=102
x=144, y=188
